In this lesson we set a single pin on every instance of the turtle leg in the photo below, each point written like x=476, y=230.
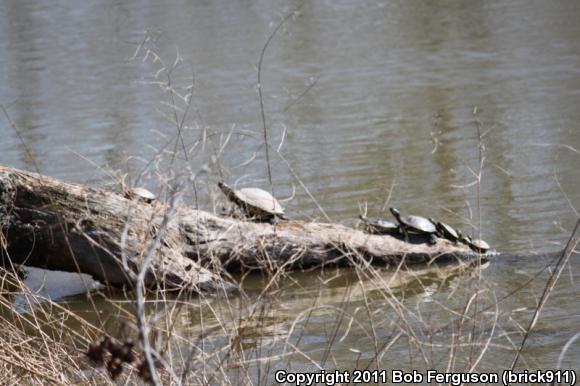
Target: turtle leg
x=405, y=233
x=432, y=239
x=267, y=219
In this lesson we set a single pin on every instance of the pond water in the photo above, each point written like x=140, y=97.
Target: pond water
x=369, y=104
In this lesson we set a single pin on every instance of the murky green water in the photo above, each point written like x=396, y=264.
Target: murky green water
x=370, y=103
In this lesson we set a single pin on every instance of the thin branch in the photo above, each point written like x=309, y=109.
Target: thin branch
x=261, y=97
x=564, y=257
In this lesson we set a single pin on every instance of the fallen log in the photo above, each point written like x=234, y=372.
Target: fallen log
x=57, y=225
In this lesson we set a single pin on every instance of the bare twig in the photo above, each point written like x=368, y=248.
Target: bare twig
x=139, y=289
x=22, y=142
x=260, y=95
x=551, y=283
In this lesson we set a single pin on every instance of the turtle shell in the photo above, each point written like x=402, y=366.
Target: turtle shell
x=259, y=201
x=479, y=245
x=476, y=245
x=414, y=223
x=253, y=201
x=379, y=225
x=419, y=223
x=447, y=231
x=140, y=193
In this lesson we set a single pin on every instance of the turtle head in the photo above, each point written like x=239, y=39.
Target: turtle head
x=395, y=212
x=436, y=223
x=226, y=189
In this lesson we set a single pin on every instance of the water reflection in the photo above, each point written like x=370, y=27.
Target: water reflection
x=41, y=285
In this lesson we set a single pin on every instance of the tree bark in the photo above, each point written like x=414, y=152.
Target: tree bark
x=56, y=225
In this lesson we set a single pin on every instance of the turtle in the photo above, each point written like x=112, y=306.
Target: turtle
x=415, y=224
x=255, y=203
x=477, y=245
x=380, y=226
x=463, y=238
x=446, y=231
x=140, y=194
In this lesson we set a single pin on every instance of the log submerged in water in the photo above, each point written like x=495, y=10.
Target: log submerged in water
x=57, y=225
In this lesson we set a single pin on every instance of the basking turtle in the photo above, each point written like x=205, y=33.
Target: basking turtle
x=415, y=224
x=480, y=246
x=446, y=231
x=477, y=245
x=463, y=238
x=140, y=194
x=379, y=226
x=254, y=202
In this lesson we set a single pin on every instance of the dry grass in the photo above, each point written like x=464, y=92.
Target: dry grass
x=245, y=338
x=41, y=346
x=361, y=318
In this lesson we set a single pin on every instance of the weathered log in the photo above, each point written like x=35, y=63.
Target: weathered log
x=243, y=245
x=51, y=224
x=63, y=226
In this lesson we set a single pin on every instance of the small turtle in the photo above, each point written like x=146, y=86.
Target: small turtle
x=477, y=245
x=255, y=203
x=379, y=226
x=446, y=231
x=415, y=224
x=140, y=194
x=463, y=238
